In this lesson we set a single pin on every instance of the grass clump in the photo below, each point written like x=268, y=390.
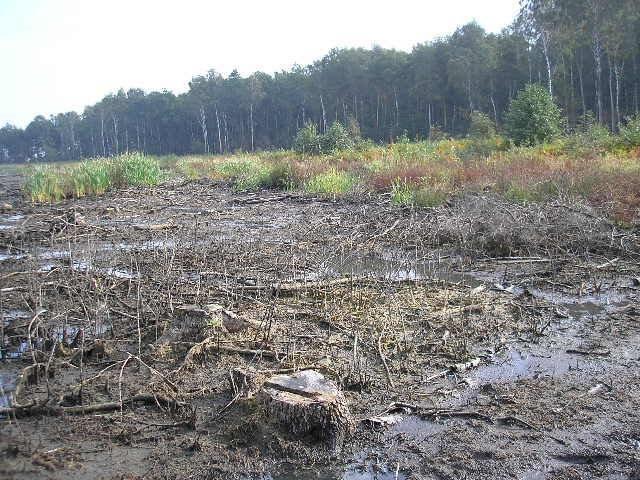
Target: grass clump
x=331, y=182
x=44, y=184
x=402, y=193
x=136, y=169
x=245, y=174
x=50, y=183
x=429, y=197
x=92, y=178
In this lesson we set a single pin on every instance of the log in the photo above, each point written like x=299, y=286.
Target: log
x=30, y=410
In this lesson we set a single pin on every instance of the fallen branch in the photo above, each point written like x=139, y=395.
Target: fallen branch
x=198, y=351
x=38, y=409
x=384, y=361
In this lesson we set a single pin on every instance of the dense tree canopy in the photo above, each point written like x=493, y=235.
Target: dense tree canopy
x=586, y=53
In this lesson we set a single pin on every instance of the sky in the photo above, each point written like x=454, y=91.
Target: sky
x=61, y=55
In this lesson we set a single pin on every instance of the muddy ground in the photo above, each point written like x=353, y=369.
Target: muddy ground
x=495, y=340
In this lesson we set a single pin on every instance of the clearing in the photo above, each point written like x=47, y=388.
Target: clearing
x=477, y=339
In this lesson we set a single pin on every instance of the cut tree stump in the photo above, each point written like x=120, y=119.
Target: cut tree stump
x=306, y=403
x=246, y=382
x=194, y=323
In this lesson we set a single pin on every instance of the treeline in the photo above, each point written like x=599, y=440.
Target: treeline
x=586, y=52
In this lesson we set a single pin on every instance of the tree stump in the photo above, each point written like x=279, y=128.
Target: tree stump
x=246, y=382
x=306, y=403
x=194, y=323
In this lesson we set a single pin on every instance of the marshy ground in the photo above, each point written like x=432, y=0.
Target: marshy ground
x=477, y=339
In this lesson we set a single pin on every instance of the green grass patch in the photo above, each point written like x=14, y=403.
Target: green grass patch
x=52, y=183
x=402, y=193
x=331, y=182
x=44, y=183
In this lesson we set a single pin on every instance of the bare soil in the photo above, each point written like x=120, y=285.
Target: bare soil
x=480, y=339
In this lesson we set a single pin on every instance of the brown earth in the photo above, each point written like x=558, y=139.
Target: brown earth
x=480, y=339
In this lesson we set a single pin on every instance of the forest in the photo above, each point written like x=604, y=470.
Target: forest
x=586, y=53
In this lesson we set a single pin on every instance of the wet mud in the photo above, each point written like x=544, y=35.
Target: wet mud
x=480, y=339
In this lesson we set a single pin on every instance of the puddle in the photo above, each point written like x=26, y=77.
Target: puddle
x=368, y=464
x=10, y=316
x=579, y=306
x=84, y=266
x=373, y=473
x=7, y=388
x=8, y=352
x=416, y=429
x=16, y=349
x=5, y=256
x=148, y=245
x=370, y=471
x=8, y=222
x=393, y=266
x=11, y=218
x=53, y=254
x=66, y=333
x=518, y=365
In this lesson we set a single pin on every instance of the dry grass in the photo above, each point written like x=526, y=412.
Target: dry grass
x=425, y=174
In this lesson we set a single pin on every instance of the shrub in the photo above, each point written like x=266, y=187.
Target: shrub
x=281, y=176
x=91, y=178
x=630, y=132
x=481, y=126
x=336, y=138
x=308, y=140
x=437, y=134
x=533, y=117
x=595, y=138
x=429, y=197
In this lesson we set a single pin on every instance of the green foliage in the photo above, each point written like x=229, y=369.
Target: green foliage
x=331, y=182
x=246, y=174
x=630, y=132
x=425, y=196
x=281, y=176
x=92, y=178
x=382, y=92
x=308, y=140
x=437, y=134
x=429, y=197
x=402, y=193
x=520, y=194
x=252, y=173
x=353, y=127
x=44, y=184
x=48, y=183
x=336, y=138
x=136, y=169
x=533, y=117
x=594, y=138
x=481, y=126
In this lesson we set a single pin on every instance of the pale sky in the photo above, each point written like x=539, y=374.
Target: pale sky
x=61, y=55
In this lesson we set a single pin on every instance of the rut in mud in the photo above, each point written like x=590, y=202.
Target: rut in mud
x=479, y=339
